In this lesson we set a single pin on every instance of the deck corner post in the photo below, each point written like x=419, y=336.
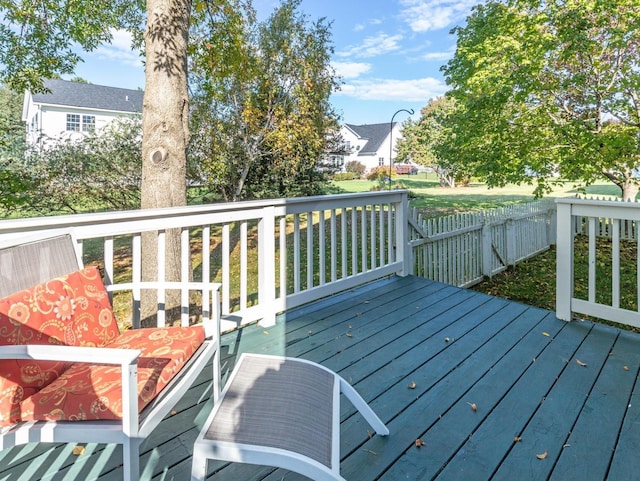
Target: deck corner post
x=564, y=260
x=403, y=247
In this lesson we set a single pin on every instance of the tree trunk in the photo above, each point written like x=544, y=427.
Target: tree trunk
x=630, y=190
x=629, y=186
x=165, y=133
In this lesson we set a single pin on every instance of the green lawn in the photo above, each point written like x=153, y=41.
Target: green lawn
x=432, y=199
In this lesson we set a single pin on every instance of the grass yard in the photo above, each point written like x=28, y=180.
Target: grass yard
x=533, y=281
x=433, y=200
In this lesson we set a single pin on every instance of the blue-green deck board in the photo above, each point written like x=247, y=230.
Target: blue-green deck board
x=515, y=363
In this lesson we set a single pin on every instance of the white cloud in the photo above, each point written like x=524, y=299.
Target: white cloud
x=120, y=49
x=359, y=27
x=416, y=90
x=440, y=56
x=373, y=46
x=351, y=69
x=426, y=15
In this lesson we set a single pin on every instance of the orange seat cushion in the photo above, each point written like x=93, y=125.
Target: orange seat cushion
x=70, y=310
x=88, y=391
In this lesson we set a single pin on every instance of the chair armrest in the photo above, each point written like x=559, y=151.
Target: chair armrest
x=126, y=358
x=93, y=355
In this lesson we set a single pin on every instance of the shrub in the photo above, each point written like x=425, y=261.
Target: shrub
x=379, y=173
x=355, y=167
x=345, y=176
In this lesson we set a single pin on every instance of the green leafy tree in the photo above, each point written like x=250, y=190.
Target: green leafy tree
x=39, y=40
x=261, y=102
x=422, y=141
x=548, y=89
x=100, y=171
x=13, y=182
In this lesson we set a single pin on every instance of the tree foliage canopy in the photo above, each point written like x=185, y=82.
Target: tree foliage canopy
x=421, y=141
x=38, y=40
x=548, y=88
x=261, y=91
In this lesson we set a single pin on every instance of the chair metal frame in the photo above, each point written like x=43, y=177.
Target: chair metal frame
x=206, y=448
x=134, y=427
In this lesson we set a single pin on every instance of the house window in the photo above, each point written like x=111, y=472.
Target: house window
x=73, y=122
x=81, y=123
x=88, y=123
x=380, y=161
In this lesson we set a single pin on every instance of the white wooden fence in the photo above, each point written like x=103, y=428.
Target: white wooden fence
x=267, y=255
x=462, y=249
x=604, y=297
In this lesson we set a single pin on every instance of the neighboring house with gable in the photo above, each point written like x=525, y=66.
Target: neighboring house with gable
x=70, y=110
x=369, y=144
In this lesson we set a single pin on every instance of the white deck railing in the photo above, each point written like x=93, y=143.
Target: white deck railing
x=268, y=255
x=604, y=295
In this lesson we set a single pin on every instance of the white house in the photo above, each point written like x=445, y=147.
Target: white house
x=71, y=109
x=370, y=144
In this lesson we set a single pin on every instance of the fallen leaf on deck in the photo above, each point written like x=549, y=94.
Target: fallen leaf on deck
x=358, y=313
x=542, y=456
x=546, y=334
x=412, y=385
x=626, y=368
x=446, y=339
x=517, y=439
x=266, y=333
x=474, y=407
x=349, y=326
x=370, y=434
x=78, y=450
x=349, y=334
x=580, y=363
x=174, y=412
x=366, y=302
x=419, y=443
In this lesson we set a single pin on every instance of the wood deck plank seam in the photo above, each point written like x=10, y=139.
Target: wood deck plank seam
x=401, y=422
x=462, y=405
x=546, y=425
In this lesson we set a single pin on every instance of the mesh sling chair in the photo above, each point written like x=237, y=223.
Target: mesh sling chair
x=282, y=412
x=186, y=351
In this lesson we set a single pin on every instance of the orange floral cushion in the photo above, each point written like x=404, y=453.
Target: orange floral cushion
x=87, y=391
x=70, y=310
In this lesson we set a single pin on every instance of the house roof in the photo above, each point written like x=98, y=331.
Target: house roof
x=90, y=96
x=375, y=134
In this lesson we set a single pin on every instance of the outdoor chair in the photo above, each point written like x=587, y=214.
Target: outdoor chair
x=282, y=412
x=58, y=333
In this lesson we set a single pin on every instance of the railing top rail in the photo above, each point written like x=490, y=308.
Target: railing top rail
x=602, y=208
x=597, y=202
x=250, y=209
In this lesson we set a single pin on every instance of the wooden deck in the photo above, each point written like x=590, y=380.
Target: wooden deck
x=495, y=384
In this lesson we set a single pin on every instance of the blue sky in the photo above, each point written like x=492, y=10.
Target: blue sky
x=388, y=53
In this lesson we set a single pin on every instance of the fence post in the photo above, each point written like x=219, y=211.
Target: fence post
x=564, y=260
x=403, y=249
x=486, y=248
x=510, y=244
x=267, y=266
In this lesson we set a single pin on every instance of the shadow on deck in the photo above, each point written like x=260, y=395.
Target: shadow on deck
x=489, y=386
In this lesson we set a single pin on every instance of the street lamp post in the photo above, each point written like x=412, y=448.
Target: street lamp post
x=410, y=112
